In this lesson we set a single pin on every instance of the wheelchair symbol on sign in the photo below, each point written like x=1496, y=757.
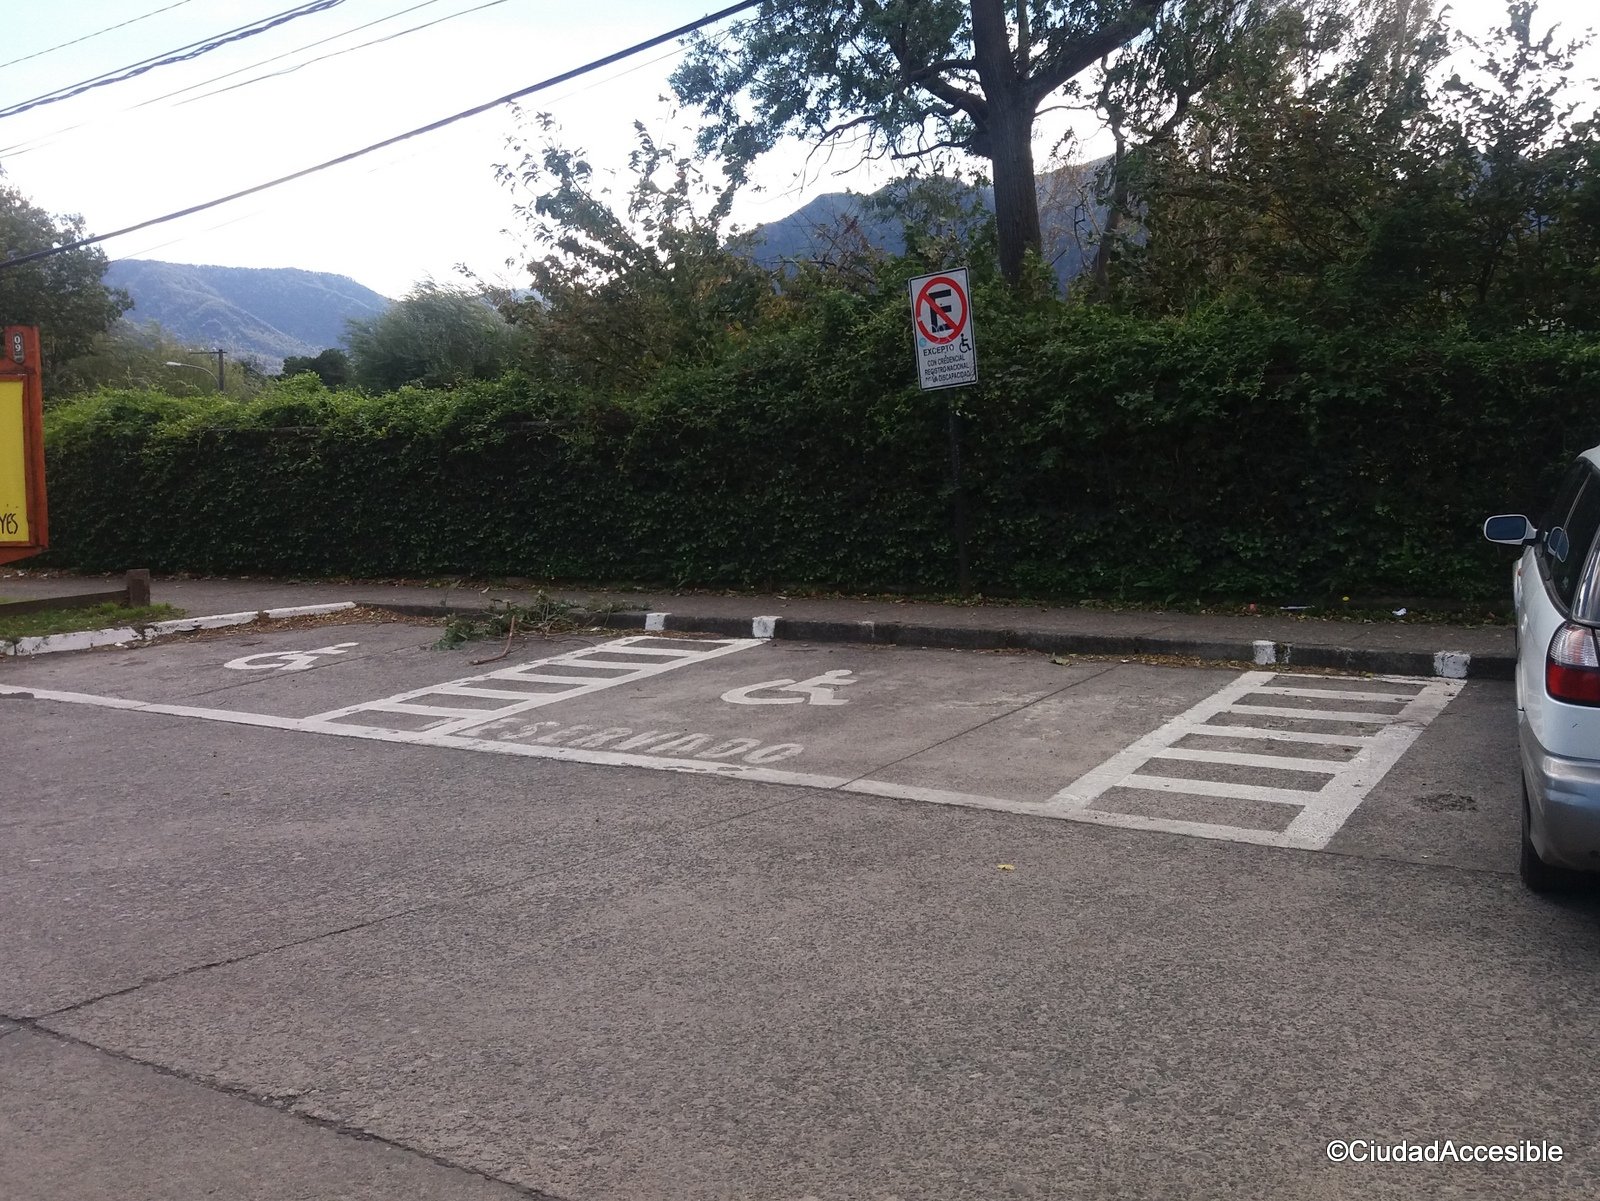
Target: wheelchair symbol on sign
x=286, y=660
x=818, y=690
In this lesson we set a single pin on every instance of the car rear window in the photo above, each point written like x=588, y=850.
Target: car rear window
x=1569, y=543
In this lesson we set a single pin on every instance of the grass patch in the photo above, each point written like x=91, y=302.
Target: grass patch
x=66, y=621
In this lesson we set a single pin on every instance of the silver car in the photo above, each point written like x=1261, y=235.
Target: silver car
x=1557, y=592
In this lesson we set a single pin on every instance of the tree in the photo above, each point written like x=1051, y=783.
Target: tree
x=625, y=287
x=64, y=294
x=917, y=77
x=331, y=366
x=1335, y=173
x=438, y=337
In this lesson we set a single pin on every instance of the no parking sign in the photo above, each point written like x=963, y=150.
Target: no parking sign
x=941, y=318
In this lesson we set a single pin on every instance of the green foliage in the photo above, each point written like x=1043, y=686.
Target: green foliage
x=138, y=357
x=63, y=294
x=912, y=78
x=1333, y=172
x=331, y=366
x=544, y=615
x=437, y=337
x=1232, y=453
x=625, y=287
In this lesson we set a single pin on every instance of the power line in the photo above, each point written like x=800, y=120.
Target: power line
x=276, y=57
x=637, y=48
x=388, y=37
x=182, y=54
x=392, y=164
x=41, y=140
x=109, y=28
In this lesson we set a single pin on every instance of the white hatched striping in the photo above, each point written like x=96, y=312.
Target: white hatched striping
x=623, y=656
x=1323, y=808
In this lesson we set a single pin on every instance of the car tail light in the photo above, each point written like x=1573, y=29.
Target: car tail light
x=1572, y=668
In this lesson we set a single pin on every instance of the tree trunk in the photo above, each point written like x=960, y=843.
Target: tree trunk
x=1005, y=137
x=1016, y=196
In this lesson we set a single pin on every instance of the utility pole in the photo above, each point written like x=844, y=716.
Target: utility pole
x=221, y=378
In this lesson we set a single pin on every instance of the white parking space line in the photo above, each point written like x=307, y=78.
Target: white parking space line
x=1377, y=719
x=1306, y=816
x=624, y=656
x=1323, y=808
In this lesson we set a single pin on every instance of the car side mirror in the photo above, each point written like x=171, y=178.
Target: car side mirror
x=1510, y=529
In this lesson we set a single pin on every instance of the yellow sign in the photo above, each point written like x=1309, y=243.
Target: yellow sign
x=13, y=463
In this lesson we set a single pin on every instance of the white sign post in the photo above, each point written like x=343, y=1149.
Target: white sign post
x=941, y=318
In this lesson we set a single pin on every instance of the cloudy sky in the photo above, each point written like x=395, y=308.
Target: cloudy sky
x=182, y=134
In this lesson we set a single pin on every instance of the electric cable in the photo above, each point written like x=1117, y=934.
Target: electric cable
x=398, y=161
x=39, y=141
x=595, y=65
x=108, y=29
x=277, y=57
x=182, y=54
x=388, y=37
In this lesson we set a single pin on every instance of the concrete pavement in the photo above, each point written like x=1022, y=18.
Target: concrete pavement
x=1400, y=647
x=274, y=930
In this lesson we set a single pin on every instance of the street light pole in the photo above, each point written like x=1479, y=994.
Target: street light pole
x=221, y=371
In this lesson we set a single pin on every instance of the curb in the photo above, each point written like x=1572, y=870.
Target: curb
x=83, y=640
x=1444, y=664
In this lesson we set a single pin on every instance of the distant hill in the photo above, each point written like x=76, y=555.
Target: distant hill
x=263, y=312
x=1068, y=214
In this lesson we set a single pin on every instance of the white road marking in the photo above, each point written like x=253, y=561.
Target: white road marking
x=286, y=660
x=1323, y=811
x=1323, y=808
x=818, y=690
x=624, y=656
x=433, y=738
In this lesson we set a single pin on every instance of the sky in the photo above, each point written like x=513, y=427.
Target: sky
x=121, y=154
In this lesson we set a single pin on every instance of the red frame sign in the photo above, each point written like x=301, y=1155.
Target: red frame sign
x=24, y=528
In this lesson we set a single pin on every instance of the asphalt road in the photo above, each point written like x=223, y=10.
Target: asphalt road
x=328, y=913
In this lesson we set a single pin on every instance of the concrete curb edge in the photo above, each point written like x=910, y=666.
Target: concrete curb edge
x=1445, y=664
x=83, y=640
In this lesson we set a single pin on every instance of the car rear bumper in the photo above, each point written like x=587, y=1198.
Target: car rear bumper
x=1563, y=806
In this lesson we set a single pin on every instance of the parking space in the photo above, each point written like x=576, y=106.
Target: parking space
x=873, y=923
x=1277, y=759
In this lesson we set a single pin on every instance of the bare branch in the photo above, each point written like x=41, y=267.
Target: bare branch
x=914, y=75
x=902, y=155
x=944, y=64
x=1065, y=60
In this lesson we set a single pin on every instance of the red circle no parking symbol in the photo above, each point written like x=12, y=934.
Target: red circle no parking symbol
x=941, y=310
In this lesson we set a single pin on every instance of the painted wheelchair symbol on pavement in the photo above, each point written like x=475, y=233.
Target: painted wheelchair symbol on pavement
x=818, y=690
x=286, y=660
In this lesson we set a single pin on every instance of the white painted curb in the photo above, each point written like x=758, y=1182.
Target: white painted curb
x=83, y=640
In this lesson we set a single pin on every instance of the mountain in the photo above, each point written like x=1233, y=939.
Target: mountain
x=1070, y=215
x=261, y=312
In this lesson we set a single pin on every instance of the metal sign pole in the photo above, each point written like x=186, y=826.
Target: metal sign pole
x=947, y=358
x=958, y=500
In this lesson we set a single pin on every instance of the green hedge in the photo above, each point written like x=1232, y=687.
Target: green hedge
x=1231, y=454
